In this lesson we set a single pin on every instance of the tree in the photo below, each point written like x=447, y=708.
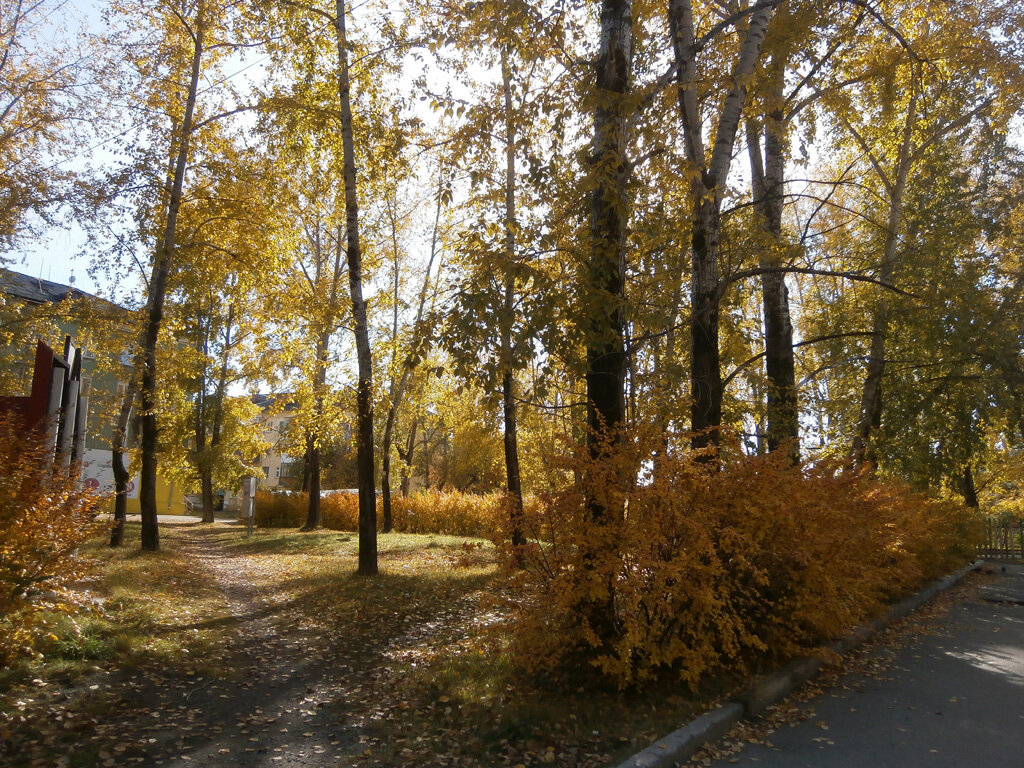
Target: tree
x=364, y=395
x=504, y=298
x=922, y=104
x=603, y=312
x=167, y=45
x=418, y=346
x=709, y=179
x=194, y=27
x=41, y=82
x=609, y=214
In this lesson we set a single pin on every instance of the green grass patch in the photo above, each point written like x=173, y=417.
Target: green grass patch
x=137, y=609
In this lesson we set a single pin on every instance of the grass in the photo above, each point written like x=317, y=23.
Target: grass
x=426, y=649
x=151, y=608
x=451, y=689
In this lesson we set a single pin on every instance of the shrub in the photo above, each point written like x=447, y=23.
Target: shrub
x=451, y=512
x=279, y=510
x=443, y=512
x=45, y=515
x=702, y=568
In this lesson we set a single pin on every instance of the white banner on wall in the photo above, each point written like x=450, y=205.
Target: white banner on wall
x=98, y=475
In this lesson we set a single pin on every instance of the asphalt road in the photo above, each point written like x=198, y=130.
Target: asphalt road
x=952, y=699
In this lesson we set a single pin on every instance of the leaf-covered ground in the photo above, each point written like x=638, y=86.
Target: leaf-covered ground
x=270, y=651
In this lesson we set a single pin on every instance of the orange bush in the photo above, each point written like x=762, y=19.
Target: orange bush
x=703, y=568
x=279, y=510
x=45, y=515
x=443, y=512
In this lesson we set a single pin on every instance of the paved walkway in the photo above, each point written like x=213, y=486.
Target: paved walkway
x=952, y=699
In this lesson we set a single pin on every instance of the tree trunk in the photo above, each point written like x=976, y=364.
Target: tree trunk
x=708, y=189
x=426, y=461
x=364, y=392
x=780, y=366
x=206, y=490
x=385, y=480
x=202, y=459
x=967, y=487
x=420, y=349
x=218, y=414
x=705, y=367
x=512, y=477
x=155, y=306
x=513, y=484
x=313, y=453
x=121, y=475
x=605, y=288
x=406, y=458
x=871, y=396
x=313, y=514
x=305, y=467
x=609, y=218
x=389, y=422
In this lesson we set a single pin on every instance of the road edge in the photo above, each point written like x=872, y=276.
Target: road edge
x=679, y=746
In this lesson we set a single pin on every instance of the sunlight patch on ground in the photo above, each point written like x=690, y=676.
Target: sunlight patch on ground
x=1005, y=660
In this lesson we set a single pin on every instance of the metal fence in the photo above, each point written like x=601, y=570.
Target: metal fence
x=1005, y=540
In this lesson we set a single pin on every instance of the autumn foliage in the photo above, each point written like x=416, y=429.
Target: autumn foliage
x=714, y=567
x=45, y=515
x=443, y=512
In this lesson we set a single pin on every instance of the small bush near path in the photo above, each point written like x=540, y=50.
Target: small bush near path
x=45, y=516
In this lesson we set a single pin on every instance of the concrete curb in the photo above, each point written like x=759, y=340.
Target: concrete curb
x=680, y=745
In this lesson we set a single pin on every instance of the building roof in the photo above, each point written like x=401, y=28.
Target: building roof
x=39, y=291
x=278, y=402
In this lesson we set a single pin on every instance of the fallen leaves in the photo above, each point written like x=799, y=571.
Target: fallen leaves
x=316, y=667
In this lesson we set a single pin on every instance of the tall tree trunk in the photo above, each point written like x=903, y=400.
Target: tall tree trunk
x=871, y=395
x=780, y=366
x=513, y=484
x=705, y=366
x=121, y=475
x=406, y=457
x=313, y=453
x=218, y=416
x=708, y=191
x=305, y=466
x=313, y=513
x=420, y=348
x=426, y=460
x=967, y=487
x=364, y=392
x=609, y=217
x=155, y=306
x=199, y=427
x=605, y=276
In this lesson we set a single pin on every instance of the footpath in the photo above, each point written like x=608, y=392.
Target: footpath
x=951, y=698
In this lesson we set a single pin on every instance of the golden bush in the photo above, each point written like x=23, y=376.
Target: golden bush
x=700, y=567
x=45, y=515
x=451, y=513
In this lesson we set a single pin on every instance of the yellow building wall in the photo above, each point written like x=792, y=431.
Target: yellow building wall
x=170, y=500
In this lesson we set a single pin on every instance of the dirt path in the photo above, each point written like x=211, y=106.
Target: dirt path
x=289, y=698
x=285, y=703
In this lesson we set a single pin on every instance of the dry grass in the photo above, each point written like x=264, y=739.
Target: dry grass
x=424, y=676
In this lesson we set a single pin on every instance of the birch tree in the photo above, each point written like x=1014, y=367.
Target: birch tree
x=711, y=162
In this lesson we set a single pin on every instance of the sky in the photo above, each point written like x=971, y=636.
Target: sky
x=51, y=256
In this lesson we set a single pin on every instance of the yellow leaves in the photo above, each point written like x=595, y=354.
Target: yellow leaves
x=450, y=513
x=44, y=517
x=713, y=570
